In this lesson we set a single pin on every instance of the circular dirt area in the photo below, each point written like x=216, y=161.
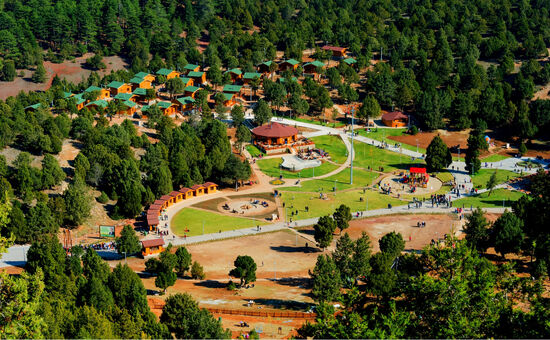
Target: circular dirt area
x=249, y=206
x=397, y=187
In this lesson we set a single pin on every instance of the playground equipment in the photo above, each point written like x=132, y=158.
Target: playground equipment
x=417, y=177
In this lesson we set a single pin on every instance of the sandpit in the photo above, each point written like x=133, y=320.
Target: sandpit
x=394, y=182
x=247, y=206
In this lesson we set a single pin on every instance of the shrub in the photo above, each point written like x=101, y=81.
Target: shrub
x=413, y=130
x=231, y=285
x=197, y=272
x=103, y=198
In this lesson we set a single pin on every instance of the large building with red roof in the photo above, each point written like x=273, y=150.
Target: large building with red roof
x=275, y=134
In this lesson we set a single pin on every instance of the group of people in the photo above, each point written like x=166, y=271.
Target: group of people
x=439, y=199
x=421, y=224
x=100, y=246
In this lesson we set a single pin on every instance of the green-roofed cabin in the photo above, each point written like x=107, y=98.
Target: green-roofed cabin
x=129, y=108
x=169, y=74
x=249, y=76
x=67, y=95
x=33, y=107
x=125, y=96
x=229, y=99
x=144, y=75
x=139, y=95
x=313, y=66
x=290, y=64
x=79, y=101
x=142, y=83
x=187, y=81
x=99, y=105
x=191, y=68
x=117, y=87
x=167, y=108
x=282, y=80
x=186, y=103
x=198, y=77
x=190, y=91
x=235, y=73
x=235, y=89
x=103, y=93
x=349, y=61
x=264, y=67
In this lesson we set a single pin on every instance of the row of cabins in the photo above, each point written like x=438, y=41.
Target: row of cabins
x=155, y=209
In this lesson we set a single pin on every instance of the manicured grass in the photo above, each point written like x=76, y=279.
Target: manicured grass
x=444, y=176
x=482, y=177
x=270, y=167
x=361, y=179
x=317, y=122
x=367, y=155
x=382, y=134
x=334, y=146
x=253, y=150
x=192, y=219
x=493, y=201
x=319, y=207
x=494, y=158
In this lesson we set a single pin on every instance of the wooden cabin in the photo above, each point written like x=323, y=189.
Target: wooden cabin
x=210, y=187
x=116, y=87
x=139, y=95
x=176, y=196
x=167, y=108
x=152, y=247
x=129, y=108
x=99, y=105
x=199, y=78
x=187, y=81
x=264, y=67
x=79, y=101
x=191, y=68
x=249, y=76
x=33, y=107
x=169, y=74
x=290, y=64
x=350, y=62
x=186, y=103
x=147, y=76
x=235, y=73
x=103, y=93
x=186, y=192
x=140, y=83
x=313, y=67
x=234, y=89
x=190, y=91
x=198, y=189
x=228, y=99
x=337, y=52
x=395, y=119
x=126, y=96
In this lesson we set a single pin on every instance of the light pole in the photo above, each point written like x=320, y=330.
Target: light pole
x=203, y=227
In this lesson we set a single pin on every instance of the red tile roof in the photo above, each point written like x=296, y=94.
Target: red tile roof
x=394, y=115
x=152, y=220
x=154, y=207
x=334, y=48
x=185, y=190
x=209, y=184
x=275, y=130
x=165, y=197
x=174, y=193
x=152, y=243
x=159, y=202
x=197, y=186
x=414, y=170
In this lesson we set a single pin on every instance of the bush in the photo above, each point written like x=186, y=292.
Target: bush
x=103, y=198
x=231, y=285
x=413, y=130
x=197, y=272
x=522, y=150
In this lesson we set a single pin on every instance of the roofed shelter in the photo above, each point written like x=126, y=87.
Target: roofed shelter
x=169, y=74
x=103, y=93
x=191, y=68
x=116, y=87
x=210, y=187
x=186, y=103
x=187, y=81
x=140, y=83
x=234, y=89
x=336, y=51
x=145, y=75
x=290, y=64
x=190, y=91
x=229, y=99
x=152, y=247
x=275, y=134
x=167, y=108
x=313, y=67
x=129, y=108
x=198, y=77
x=395, y=119
x=235, y=74
x=198, y=189
x=249, y=76
x=264, y=67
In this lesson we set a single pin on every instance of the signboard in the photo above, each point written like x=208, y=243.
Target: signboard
x=106, y=231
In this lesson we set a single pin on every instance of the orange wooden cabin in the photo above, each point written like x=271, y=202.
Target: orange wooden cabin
x=395, y=119
x=336, y=51
x=152, y=247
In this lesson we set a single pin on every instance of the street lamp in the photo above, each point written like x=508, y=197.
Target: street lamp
x=351, y=151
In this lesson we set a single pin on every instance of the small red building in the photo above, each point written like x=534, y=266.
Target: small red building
x=152, y=247
x=336, y=51
x=275, y=134
x=395, y=119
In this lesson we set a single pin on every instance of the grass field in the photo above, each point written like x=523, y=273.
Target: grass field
x=361, y=179
x=334, y=146
x=367, y=155
x=494, y=158
x=270, y=167
x=444, y=176
x=382, y=134
x=193, y=219
x=316, y=122
x=320, y=207
x=482, y=177
x=253, y=150
x=494, y=201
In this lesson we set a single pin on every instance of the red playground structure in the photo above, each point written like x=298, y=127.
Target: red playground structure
x=417, y=177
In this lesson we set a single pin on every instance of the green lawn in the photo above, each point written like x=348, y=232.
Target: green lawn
x=193, y=219
x=382, y=134
x=494, y=158
x=368, y=155
x=317, y=122
x=334, y=146
x=482, y=177
x=361, y=179
x=493, y=201
x=253, y=150
x=270, y=167
x=320, y=207
x=444, y=176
